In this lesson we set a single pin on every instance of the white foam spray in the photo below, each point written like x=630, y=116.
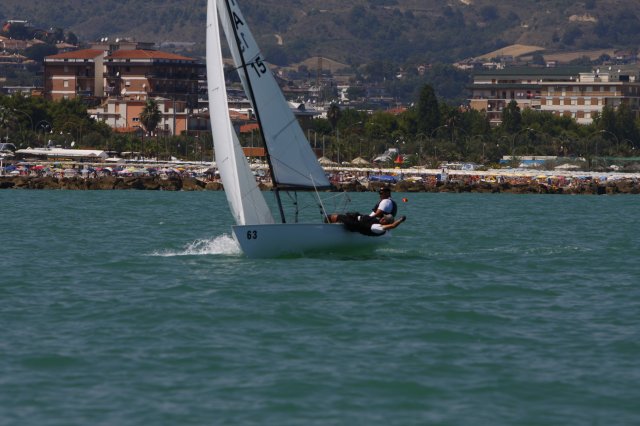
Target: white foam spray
x=222, y=244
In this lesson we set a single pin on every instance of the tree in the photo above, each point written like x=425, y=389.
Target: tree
x=71, y=38
x=150, y=117
x=606, y=120
x=333, y=115
x=489, y=13
x=537, y=59
x=5, y=119
x=428, y=110
x=37, y=52
x=511, y=117
x=625, y=123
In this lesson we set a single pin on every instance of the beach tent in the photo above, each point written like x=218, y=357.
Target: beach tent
x=326, y=162
x=359, y=161
x=567, y=166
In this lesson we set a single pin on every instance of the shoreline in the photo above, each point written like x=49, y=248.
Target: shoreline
x=456, y=183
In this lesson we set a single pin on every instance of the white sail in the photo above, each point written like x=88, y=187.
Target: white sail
x=246, y=202
x=293, y=162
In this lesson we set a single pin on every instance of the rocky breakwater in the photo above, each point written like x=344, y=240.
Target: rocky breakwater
x=108, y=183
x=180, y=183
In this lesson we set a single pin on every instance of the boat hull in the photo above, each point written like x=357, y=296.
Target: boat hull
x=273, y=240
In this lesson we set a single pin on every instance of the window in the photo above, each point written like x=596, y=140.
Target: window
x=65, y=83
x=136, y=119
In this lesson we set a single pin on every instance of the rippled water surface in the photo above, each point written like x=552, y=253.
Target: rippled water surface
x=136, y=308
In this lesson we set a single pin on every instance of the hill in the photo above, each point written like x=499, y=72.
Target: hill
x=356, y=31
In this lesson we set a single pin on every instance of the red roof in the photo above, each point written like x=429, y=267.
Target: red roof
x=127, y=129
x=248, y=128
x=147, y=54
x=396, y=111
x=78, y=54
x=237, y=115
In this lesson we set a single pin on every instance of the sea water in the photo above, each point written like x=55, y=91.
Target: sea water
x=137, y=308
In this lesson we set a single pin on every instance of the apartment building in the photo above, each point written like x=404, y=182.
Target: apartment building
x=140, y=74
x=123, y=115
x=577, y=92
x=115, y=78
x=122, y=69
x=76, y=74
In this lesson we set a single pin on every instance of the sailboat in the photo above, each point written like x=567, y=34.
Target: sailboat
x=292, y=164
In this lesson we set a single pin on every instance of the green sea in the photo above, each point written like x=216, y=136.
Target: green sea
x=137, y=308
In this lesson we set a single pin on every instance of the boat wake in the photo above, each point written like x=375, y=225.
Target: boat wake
x=222, y=244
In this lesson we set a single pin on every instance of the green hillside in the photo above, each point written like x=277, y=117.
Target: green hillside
x=356, y=31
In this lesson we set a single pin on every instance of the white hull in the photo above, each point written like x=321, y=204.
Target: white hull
x=273, y=240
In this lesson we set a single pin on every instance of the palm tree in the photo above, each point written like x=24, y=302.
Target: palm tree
x=150, y=117
x=333, y=115
x=4, y=121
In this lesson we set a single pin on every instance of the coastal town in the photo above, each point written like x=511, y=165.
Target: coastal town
x=552, y=128
x=319, y=212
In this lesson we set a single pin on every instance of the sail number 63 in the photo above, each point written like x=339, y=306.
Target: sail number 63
x=252, y=235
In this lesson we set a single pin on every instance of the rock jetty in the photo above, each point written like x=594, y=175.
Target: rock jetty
x=181, y=183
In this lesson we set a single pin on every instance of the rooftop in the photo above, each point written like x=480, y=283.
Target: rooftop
x=77, y=54
x=147, y=54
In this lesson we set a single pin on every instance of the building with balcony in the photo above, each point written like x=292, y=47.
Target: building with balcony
x=140, y=74
x=123, y=115
x=115, y=78
x=76, y=74
x=577, y=92
x=121, y=69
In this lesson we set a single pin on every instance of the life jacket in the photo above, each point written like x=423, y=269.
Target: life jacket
x=394, y=206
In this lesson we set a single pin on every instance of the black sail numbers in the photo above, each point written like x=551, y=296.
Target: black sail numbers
x=257, y=64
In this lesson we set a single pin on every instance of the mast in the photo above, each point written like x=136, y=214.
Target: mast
x=255, y=109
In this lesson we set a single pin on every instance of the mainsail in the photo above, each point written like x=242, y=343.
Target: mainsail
x=293, y=163
x=247, y=203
